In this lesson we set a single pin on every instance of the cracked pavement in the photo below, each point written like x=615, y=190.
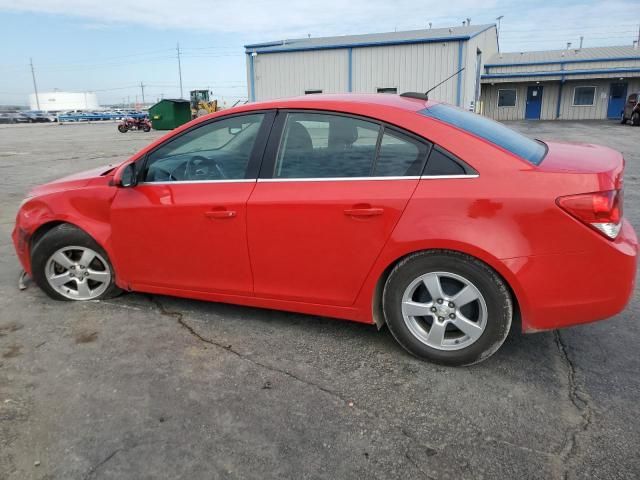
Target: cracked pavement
x=145, y=386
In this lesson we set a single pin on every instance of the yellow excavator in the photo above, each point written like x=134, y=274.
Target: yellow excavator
x=200, y=103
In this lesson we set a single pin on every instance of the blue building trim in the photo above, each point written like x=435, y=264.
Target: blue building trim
x=488, y=76
x=554, y=62
x=558, y=104
x=459, y=80
x=350, y=70
x=269, y=47
x=252, y=80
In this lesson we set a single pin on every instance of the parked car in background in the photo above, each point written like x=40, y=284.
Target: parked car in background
x=632, y=110
x=383, y=209
x=40, y=117
x=14, y=116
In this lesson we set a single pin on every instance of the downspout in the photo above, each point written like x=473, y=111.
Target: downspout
x=459, y=92
x=350, y=70
x=558, y=104
x=252, y=81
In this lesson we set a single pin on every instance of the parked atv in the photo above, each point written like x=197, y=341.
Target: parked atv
x=134, y=124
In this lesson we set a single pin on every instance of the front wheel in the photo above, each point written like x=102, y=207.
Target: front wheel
x=146, y=128
x=447, y=307
x=69, y=265
x=122, y=128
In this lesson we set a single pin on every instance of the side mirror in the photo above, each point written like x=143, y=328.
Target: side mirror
x=129, y=176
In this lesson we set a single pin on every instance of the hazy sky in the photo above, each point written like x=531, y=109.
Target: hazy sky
x=111, y=46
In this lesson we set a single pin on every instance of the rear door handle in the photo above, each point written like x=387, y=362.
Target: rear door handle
x=220, y=214
x=363, y=212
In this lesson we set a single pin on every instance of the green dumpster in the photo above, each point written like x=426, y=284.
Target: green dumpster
x=168, y=114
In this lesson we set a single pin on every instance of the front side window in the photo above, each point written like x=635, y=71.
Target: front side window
x=584, y=96
x=490, y=130
x=315, y=145
x=215, y=151
x=507, y=97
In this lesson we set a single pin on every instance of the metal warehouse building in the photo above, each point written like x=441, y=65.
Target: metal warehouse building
x=572, y=84
x=393, y=62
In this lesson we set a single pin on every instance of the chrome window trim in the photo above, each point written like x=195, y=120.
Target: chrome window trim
x=333, y=179
x=360, y=179
x=329, y=179
x=228, y=180
x=438, y=177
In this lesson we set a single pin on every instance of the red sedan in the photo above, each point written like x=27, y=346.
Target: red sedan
x=444, y=225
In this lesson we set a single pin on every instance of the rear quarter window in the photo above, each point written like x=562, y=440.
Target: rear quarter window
x=494, y=132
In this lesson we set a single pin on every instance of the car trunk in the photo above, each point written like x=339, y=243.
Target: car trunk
x=592, y=190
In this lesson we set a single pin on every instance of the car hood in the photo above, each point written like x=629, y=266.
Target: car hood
x=77, y=180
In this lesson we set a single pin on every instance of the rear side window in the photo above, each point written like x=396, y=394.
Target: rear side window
x=399, y=155
x=524, y=147
x=316, y=145
x=442, y=163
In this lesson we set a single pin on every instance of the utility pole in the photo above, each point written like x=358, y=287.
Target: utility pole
x=35, y=86
x=142, y=88
x=179, y=69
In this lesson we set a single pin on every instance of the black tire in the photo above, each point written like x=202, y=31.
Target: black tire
x=635, y=119
x=122, y=129
x=59, y=237
x=146, y=128
x=499, y=305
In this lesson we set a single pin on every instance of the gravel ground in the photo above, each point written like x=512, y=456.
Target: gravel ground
x=146, y=386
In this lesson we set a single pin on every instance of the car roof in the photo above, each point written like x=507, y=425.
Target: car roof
x=330, y=100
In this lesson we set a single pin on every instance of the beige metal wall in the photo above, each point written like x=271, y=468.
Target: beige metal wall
x=487, y=43
x=409, y=68
x=568, y=111
x=289, y=74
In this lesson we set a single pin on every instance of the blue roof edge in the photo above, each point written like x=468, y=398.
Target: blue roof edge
x=561, y=73
x=554, y=62
x=256, y=48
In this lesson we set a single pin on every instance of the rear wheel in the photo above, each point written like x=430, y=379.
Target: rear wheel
x=447, y=307
x=69, y=265
x=122, y=128
x=635, y=119
x=146, y=128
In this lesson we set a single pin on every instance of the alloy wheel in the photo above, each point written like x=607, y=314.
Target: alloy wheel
x=445, y=311
x=78, y=273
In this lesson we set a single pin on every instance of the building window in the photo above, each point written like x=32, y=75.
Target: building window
x=507, y=97
x=311, y=92
x=388, y=90
x=584, y=96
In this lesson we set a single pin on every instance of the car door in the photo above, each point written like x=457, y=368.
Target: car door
x=331, y=189
x=183, y=226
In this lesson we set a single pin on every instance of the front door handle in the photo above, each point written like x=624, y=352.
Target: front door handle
x=220, y=214
x=364, y=212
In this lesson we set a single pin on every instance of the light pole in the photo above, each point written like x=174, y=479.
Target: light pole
x=35, y=86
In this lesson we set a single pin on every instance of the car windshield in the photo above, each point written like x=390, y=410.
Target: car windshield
x=530, y=150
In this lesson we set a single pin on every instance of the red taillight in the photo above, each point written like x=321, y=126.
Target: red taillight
x=600, y=210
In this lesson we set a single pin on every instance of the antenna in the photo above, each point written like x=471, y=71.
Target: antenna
x=426, y=94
